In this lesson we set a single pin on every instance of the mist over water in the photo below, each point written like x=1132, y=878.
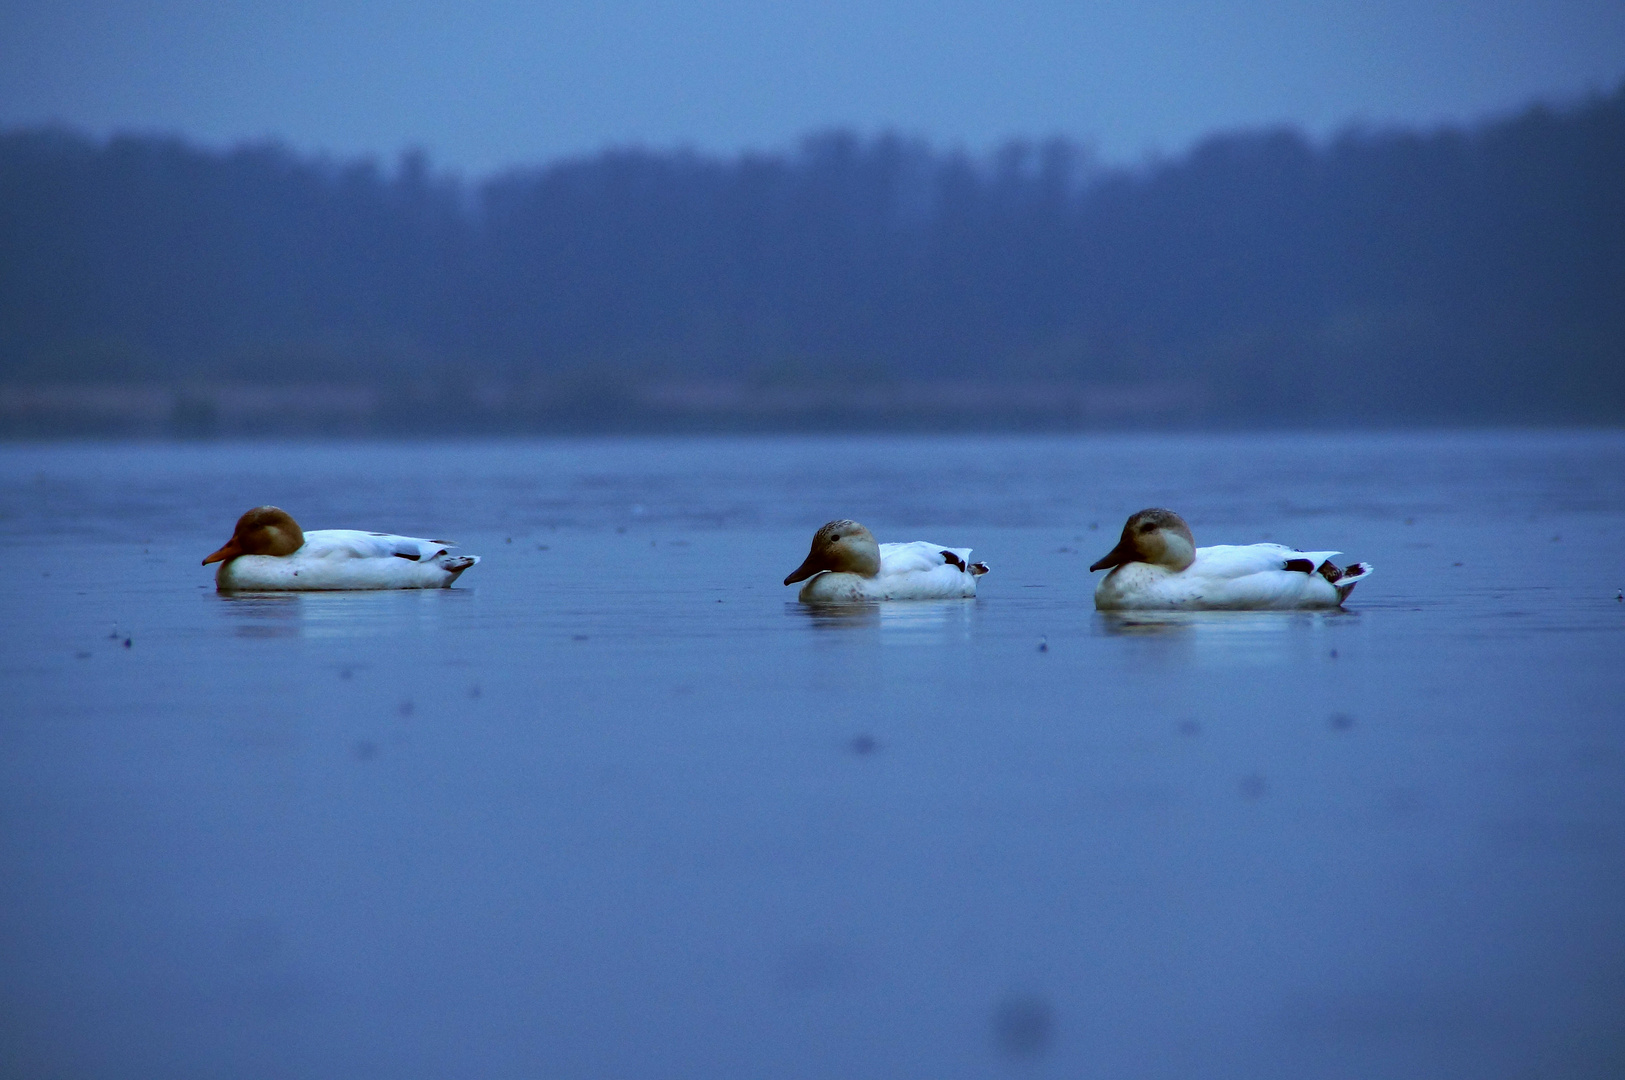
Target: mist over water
x=617, y=805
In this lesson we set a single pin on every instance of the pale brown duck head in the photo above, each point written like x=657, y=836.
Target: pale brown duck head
x=1155, y=536
x=264, y=530
x=844, y=547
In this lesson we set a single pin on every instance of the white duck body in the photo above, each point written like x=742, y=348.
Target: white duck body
x=1160, y=569
x=847, y=566
x=347, y=559
x=912, y=571
x=1223, y=577
x=269, y=553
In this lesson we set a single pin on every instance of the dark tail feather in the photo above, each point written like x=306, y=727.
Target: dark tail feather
x=456, y=564
x=975, y=569
x=1345, y=579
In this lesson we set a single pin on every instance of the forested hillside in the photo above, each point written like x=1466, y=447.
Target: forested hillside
x=1388, y=277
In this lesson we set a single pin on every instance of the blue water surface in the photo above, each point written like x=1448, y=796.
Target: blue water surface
x=618, y=806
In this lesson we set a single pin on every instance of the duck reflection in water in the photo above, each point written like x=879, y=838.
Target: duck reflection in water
x=372, y=614
x=922, y=620
x=1229, y=638
x=262, y=615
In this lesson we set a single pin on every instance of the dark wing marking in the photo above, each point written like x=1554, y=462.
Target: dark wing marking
x=1302, y=566
x=954, y=560
x=407, y=555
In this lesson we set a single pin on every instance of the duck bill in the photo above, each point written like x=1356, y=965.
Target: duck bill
x=805, y=570
x=1117, y=556
x=230, y=551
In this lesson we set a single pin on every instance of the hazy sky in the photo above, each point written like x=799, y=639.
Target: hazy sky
x=485, y=83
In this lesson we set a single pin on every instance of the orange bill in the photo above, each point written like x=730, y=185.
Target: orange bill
x=230, y=551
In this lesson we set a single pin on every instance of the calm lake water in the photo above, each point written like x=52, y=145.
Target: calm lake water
x=618, y=806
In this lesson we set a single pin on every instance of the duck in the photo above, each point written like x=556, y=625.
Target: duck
x=846, y=565
x=1156, y=566
x=269, y=552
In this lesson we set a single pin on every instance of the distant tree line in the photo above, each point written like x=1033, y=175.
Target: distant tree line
x=1389, y=276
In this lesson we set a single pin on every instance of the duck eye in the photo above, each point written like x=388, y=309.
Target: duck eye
x=834, y=538
x=1147, y=527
